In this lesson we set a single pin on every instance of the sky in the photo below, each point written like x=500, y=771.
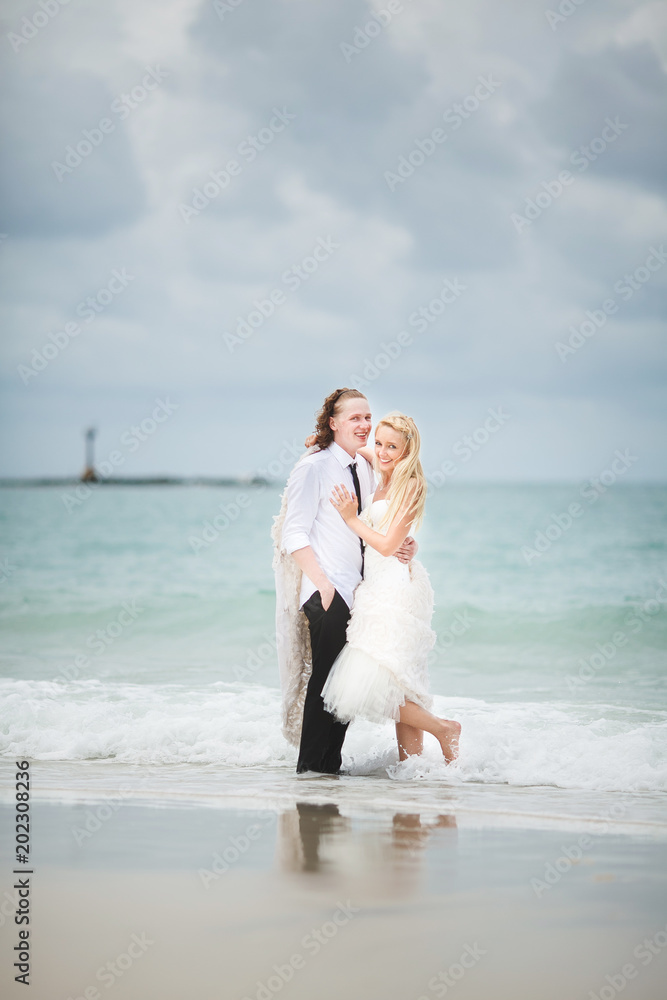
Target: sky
x=216, y=213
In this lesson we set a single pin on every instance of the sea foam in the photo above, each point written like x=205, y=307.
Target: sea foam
x=596, y=747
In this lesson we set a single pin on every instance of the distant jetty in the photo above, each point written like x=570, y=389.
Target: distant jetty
x=139, y=481
x=92, y=477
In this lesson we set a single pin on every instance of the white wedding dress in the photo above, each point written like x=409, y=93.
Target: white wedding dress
x=389, y=636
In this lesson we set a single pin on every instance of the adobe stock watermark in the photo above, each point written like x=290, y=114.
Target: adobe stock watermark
x=224, y=7
x=364, y=34
x=257, y=658
x=101, y=639
x=87, y=310
x=625, y=288
x=454, y=116
x=581, y=158
x=131, y=440
x=9, y=906
x=213, y=528
x=113, y=970
x=554, y=871
x=32, y=24
x=566, y=8
x=236, y=848
x=312, y=943
x=96, y=817
x=7, y=570
x=457, y=627
x=591, y=491
x=573, y=853
x=420, y=320
x=440, y=984
x=590, y=666
x=247, y=152
x=469, y=445
x=644, y=952
x=292, y=278
x=92, y=138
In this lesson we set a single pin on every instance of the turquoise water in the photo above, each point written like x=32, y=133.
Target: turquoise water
x=134, y=632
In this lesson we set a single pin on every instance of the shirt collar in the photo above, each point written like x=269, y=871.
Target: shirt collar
x=341, y=455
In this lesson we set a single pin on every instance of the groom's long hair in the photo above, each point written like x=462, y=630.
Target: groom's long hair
x=408, y=482
x=330, y=407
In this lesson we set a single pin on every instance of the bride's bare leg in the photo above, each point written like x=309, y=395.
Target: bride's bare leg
x=446, y=731
x=410, y=740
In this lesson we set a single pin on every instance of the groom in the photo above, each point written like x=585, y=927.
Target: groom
x=330, y=557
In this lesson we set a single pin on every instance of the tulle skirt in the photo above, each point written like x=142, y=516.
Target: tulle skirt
x=384, y=662
x=360, y=687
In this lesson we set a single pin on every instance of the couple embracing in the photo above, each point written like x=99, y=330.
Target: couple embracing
x=354, y=608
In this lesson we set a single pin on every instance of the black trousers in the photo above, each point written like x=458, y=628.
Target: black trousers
x=322, y=734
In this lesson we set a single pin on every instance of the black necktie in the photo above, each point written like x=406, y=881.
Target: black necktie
x=357, y=490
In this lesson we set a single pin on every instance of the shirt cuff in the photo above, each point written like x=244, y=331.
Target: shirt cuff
x=295, y=540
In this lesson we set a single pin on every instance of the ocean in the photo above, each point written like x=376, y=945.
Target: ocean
x=139, y=649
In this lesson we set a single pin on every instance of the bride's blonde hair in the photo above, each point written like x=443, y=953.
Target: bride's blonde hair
x=408, y=482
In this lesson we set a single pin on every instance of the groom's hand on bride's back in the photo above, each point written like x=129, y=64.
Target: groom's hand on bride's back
x=407, y=551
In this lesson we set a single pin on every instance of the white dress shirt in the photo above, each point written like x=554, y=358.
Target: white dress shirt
x=312, y=520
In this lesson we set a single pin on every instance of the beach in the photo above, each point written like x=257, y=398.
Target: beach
x=137, y=894
x=175, y=853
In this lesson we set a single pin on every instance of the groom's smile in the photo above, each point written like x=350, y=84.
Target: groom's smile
x=352, y=425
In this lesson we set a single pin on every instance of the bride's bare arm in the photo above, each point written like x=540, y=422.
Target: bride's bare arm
x=407, y=550
x=386, y=545
x=366, y=453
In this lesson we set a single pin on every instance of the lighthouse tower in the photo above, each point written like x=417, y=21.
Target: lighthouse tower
x=89, y=475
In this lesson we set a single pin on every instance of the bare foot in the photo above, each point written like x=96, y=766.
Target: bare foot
x=449, y=739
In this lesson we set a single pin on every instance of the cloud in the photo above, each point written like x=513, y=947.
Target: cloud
x=323, y=176
x=627, y=86
x=53, y=118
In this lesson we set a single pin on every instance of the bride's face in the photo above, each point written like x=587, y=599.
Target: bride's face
x=389, y=447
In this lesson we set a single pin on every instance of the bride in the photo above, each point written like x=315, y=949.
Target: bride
x=381, y=672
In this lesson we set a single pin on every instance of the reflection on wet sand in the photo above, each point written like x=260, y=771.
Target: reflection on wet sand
x=318, y=839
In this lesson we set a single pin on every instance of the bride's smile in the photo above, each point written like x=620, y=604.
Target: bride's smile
x=389, y=448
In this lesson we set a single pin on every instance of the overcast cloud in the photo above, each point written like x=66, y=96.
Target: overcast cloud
x=439, y=270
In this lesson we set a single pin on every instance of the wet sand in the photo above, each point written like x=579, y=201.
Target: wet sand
x=320, y=900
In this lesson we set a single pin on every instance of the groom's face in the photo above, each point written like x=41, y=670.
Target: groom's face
x=352, y=424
